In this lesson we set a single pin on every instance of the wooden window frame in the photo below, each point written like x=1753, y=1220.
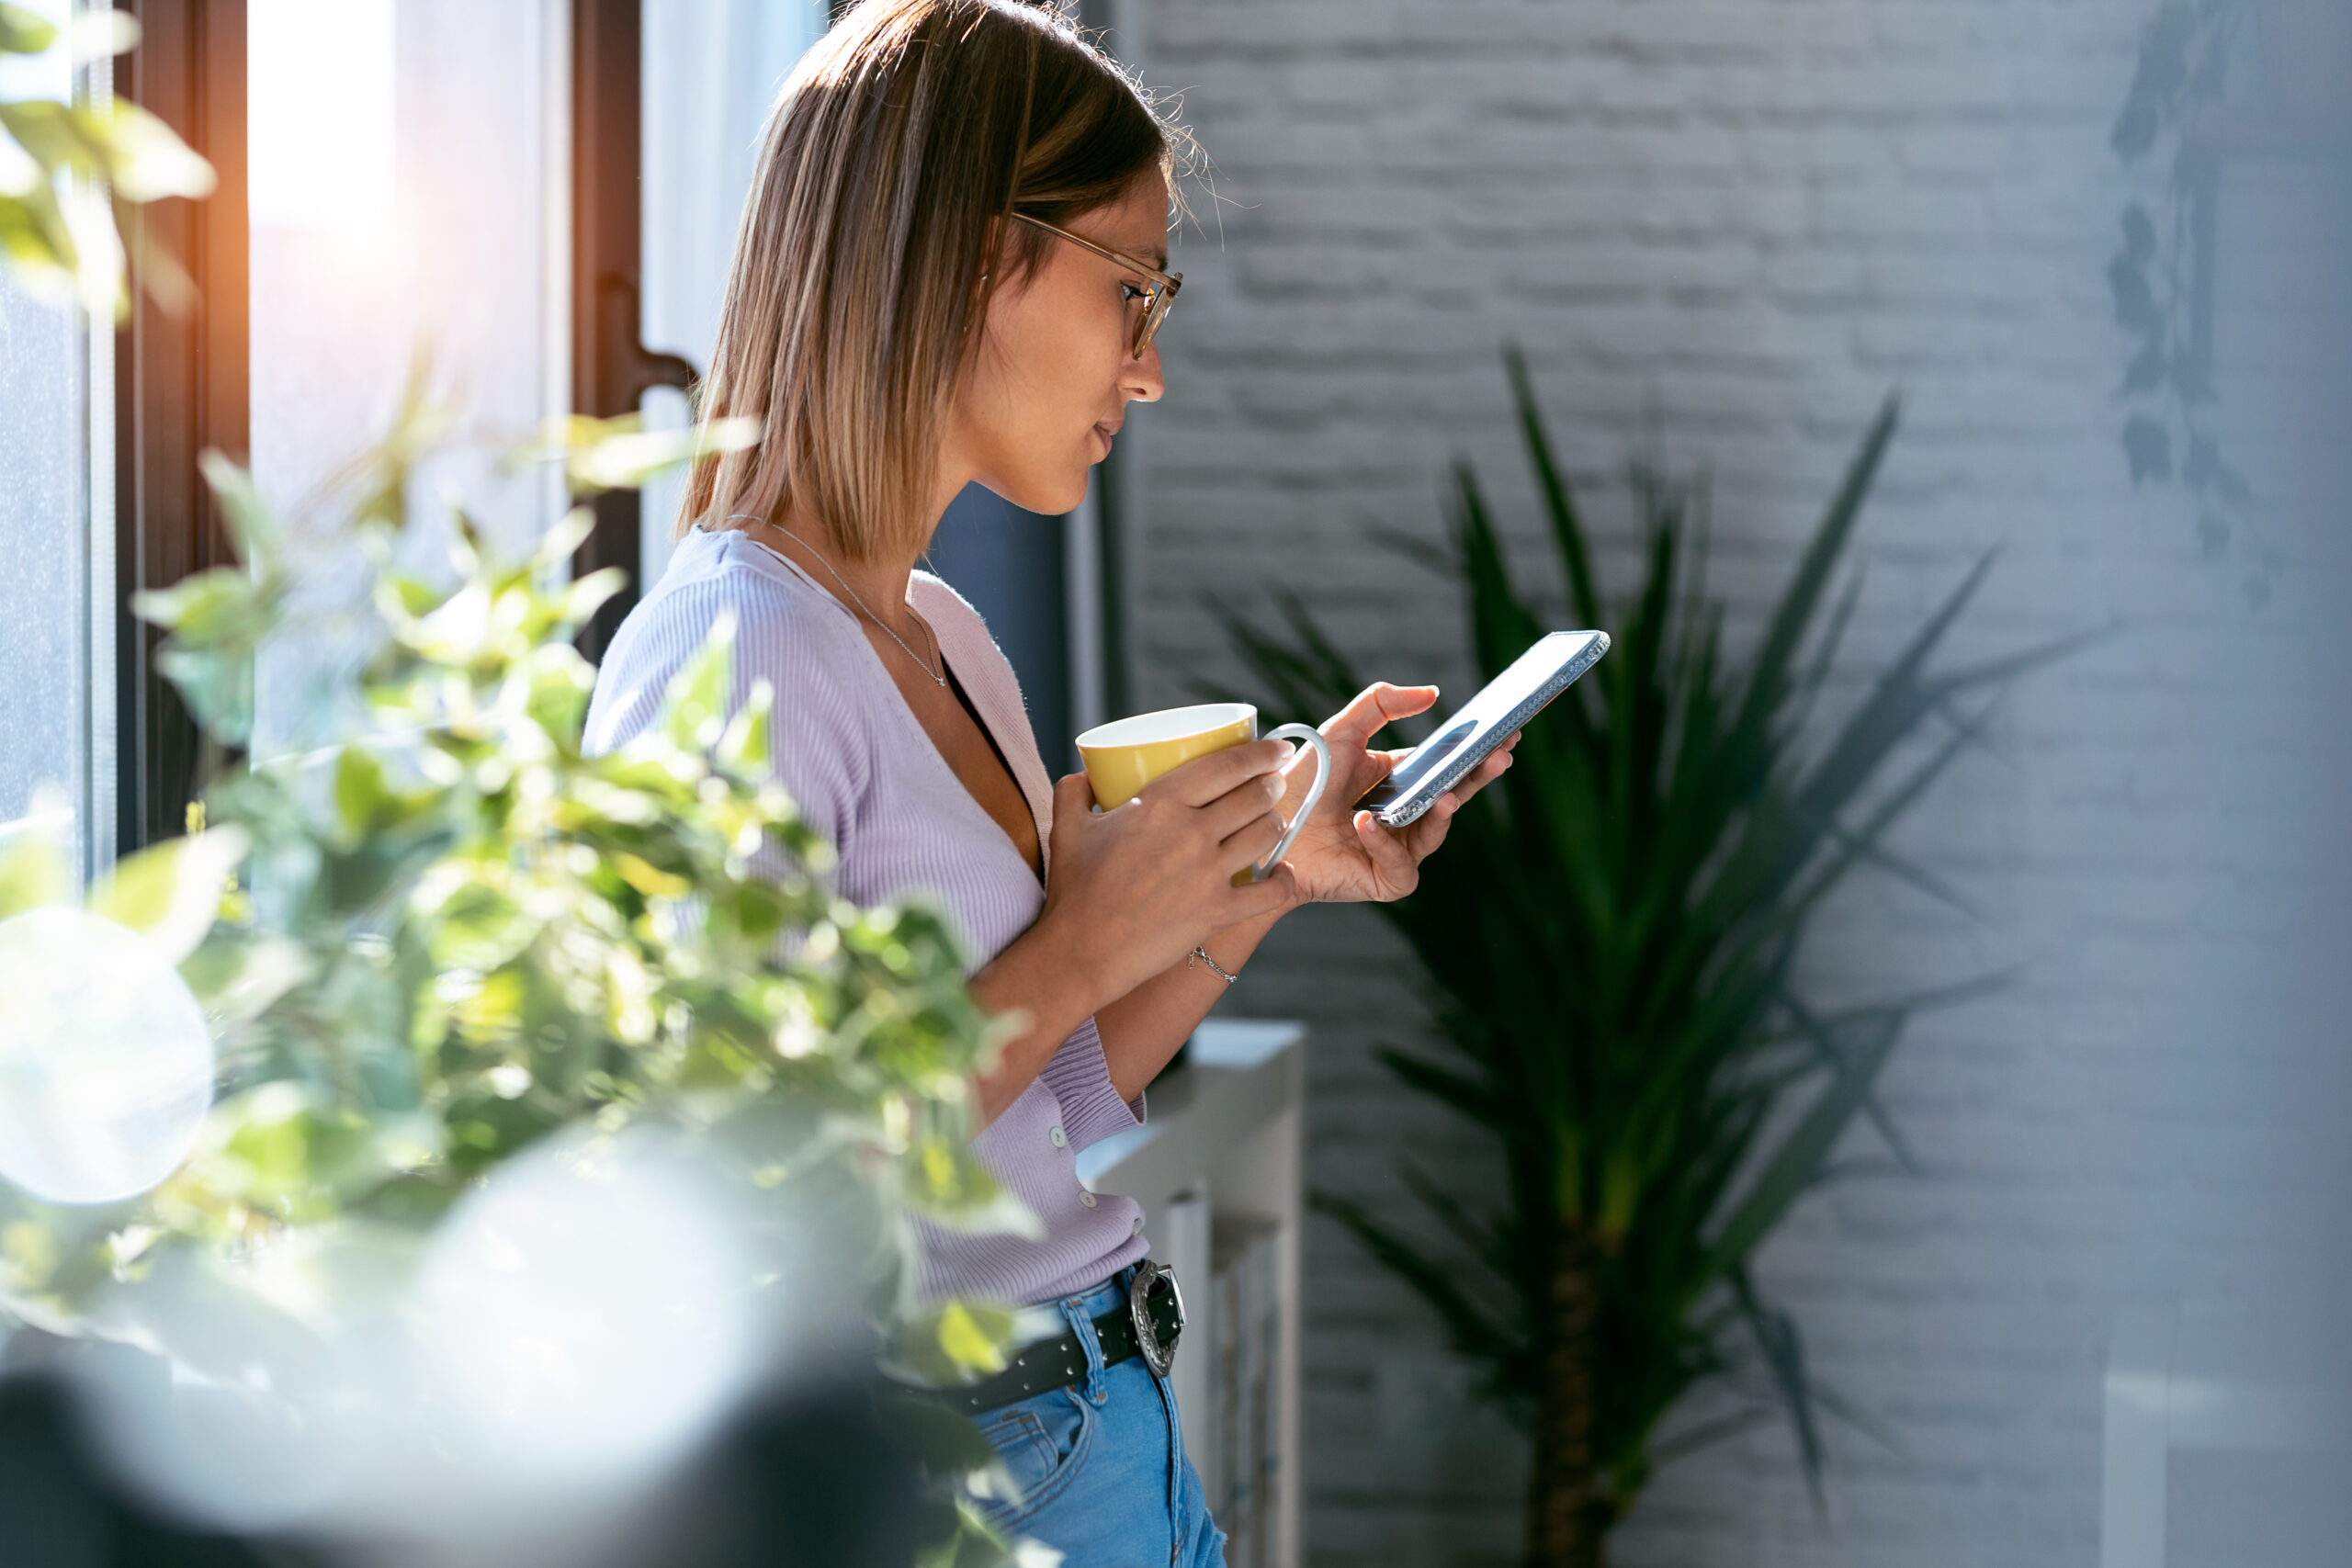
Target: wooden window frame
x=611, y=367
x=182, y=386
x=182, y=380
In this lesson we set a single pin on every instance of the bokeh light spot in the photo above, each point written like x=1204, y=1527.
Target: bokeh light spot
x=105, y=1064
x=584, y=1316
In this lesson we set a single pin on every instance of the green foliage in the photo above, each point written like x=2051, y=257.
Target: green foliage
x=1612, y=936
x=451, y=934
x=73, y=175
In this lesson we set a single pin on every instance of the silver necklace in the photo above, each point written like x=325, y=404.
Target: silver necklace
x=938, y=677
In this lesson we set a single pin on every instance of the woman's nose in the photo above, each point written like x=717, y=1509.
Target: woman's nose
x=1140, y=380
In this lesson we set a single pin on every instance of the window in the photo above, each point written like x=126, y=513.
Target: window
x=417, y=179
x=54, y=736
x=710, y=72
x=406, y=201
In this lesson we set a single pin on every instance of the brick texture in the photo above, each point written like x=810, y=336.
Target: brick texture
x=1729, y=228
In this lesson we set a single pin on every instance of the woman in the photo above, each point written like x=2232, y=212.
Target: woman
x=950, y=270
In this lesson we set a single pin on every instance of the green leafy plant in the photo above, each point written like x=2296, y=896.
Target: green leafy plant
x=73, y=175
x=453, y=934
x=1612, y=938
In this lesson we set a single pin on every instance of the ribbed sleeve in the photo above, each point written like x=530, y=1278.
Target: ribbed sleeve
x=823, y=755
x=1080, y=1079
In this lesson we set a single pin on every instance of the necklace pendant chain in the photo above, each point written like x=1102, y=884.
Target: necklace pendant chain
x=938, y=677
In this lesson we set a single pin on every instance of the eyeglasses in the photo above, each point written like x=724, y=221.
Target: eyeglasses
x=1157, y=295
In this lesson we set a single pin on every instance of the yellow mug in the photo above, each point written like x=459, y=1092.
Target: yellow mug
x=1128, y=753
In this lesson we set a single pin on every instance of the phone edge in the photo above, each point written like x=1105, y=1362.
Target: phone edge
x=1533, y=703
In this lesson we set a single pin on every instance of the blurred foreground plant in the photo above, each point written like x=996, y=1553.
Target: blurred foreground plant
x=1612, y=936
x=452, y=935
x=73, y=175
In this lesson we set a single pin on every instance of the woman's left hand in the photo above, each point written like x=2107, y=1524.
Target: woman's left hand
x=1344, y=855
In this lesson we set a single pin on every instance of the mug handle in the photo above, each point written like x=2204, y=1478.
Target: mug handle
x=1315, y=793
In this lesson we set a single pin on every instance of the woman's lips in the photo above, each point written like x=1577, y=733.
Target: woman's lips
x=1107, y=429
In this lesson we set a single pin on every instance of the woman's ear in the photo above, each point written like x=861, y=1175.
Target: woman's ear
x=991, y=267
x=1001, y=257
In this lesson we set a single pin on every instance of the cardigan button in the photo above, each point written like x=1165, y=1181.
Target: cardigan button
x=1056, y=1138
x=1086, y=1199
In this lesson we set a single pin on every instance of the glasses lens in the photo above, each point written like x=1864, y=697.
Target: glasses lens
x=1155, y=311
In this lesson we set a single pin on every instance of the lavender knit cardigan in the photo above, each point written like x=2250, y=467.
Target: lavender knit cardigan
x=865, y=775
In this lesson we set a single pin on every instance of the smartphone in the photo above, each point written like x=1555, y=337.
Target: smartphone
x=1483, y=723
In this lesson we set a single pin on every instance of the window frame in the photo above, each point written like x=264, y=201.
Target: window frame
x=181, y=387
x=611, y=367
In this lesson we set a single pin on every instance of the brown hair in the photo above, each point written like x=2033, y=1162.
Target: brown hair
x=862, y=267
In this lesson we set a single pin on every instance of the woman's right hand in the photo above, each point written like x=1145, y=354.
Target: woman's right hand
x=1135, y=888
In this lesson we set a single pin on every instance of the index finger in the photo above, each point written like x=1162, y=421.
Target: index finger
x=1205, y=779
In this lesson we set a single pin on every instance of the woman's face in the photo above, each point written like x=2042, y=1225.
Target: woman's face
x=1051, y=382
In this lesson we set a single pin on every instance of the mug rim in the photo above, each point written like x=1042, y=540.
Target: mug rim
x=1195, y=719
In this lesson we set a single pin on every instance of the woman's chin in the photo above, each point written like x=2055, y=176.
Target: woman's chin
x=1047, y=495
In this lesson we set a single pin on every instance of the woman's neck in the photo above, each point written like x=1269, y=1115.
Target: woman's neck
x=881, y=584
x=878, y=587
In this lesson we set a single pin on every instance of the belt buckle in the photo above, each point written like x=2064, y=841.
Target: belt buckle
x=1156, y=1356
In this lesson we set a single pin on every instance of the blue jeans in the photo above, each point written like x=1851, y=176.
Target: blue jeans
x=1099, y=1465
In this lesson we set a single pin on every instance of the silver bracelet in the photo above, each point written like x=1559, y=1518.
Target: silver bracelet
x=1201, y=955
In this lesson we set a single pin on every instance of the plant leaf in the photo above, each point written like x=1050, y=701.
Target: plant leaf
x=1471, y=1330
x=171, y=892
x=34, y=871
x=24, y=32
x=1783, y=1350
x=694, y=707
x=1792, y=1166
x=1705, y=1434
x=1467, y=1095
x=1559, y=506
x=1768, y=682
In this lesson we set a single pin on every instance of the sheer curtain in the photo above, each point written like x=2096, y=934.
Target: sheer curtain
x=406, y=201
x=712, y=69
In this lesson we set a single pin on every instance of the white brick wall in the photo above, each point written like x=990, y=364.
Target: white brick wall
x=1738, y=225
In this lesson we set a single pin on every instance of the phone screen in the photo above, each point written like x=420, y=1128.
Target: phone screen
x=1486, y=720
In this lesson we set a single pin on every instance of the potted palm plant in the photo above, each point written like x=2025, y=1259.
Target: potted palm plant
x=1612, y=942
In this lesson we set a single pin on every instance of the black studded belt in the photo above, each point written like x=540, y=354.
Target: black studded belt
x=1149, y=1323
